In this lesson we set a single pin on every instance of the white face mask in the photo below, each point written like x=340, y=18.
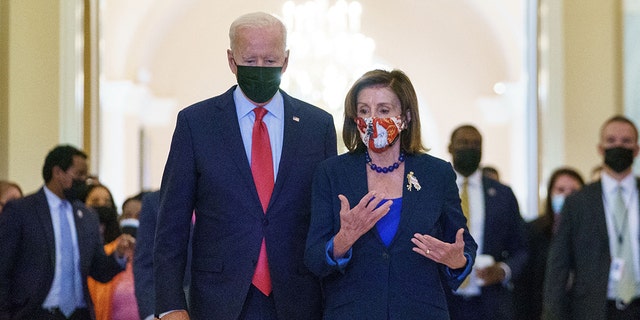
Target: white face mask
x=557, y=202
x=133, y=223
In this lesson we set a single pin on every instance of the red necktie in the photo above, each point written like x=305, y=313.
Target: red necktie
x=262, y=170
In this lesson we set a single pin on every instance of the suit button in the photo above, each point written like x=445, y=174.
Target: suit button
x=385, y=256
x=265, y=221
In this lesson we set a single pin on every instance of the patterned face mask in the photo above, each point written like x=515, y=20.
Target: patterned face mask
x=378, y=134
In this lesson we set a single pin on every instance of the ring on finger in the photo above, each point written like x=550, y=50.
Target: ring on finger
x=428, y=251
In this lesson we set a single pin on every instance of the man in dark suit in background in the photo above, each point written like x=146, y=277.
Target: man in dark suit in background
x=596, y=244
x=50, y=242
x=244, y=161
x=494, y=220
x=143, y=257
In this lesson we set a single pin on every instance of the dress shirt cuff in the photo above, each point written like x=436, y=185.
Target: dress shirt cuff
x=166, y=313
x=507, y=272
x=461, y=273
x=341, y=262
x=149, y=317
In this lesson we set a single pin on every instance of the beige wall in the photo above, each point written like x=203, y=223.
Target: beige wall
x=30, y=88
x=586, y=68
x=593, y=75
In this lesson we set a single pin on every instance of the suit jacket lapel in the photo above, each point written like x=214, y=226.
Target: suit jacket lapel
x=290, y=143
x=228, y=130
x=44, y=215
x=78, y=216
x=598, y=217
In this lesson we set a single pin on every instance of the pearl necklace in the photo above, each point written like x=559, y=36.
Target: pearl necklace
x=388, y=169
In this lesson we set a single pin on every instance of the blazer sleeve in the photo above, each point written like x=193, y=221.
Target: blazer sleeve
x=323, y=225
x=103, y=267
x=518, y=245
x=143, y=256
x=177, y=198
x=452, y=220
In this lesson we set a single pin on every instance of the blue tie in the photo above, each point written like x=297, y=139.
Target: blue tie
x=67, y=299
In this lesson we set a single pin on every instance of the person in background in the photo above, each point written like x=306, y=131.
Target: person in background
x=491, y=172
x=243, y=161
x=98, y=195
x=494, y=220
x=528, y=287
x=129, y=220
x=108, y=297
x=143, y=257
x=50, y=243
x=596, y=245
x=99, y=198
x=387, y=235
x=9, y=191
x=123, y=298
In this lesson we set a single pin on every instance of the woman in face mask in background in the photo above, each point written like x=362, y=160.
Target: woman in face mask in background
x=528, y=290
x=107, y=296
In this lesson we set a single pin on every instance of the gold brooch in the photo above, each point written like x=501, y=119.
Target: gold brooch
x=413, y=182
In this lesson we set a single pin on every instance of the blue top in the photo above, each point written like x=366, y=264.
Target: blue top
x=388, y=224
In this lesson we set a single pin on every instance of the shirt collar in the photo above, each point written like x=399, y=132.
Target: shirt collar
x=52, y=199
x=244, y=106
x=474, y=179
x=609, y=184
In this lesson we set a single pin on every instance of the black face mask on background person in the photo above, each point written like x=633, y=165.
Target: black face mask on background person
x=77, y=191
x=259, y=83
x=618, y=158
x=466, y=161
x=109, y=219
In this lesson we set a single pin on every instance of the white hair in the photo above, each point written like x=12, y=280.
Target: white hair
x=256, y=20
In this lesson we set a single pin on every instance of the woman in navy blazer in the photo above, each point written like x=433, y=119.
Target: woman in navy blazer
x=387, y=234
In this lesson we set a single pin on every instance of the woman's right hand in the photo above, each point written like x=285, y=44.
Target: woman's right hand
x=356, y=221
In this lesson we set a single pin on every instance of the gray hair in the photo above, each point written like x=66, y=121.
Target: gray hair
x=256, y=20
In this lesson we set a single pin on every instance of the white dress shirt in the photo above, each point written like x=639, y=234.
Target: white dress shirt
x=630, y=196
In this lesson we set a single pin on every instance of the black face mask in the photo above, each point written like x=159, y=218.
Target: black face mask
x=77, y=191
x=466, y=161
x=109, y=219
x=259, y=83
x=618, y=159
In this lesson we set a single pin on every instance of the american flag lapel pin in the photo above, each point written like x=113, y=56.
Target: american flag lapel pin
x=296, y=119
x=79, y=213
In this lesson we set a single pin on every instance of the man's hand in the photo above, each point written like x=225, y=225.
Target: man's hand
x=491, y=275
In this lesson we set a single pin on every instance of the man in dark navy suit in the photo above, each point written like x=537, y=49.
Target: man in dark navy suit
x=244, y=162
x=50, y=242
x=495, y=223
